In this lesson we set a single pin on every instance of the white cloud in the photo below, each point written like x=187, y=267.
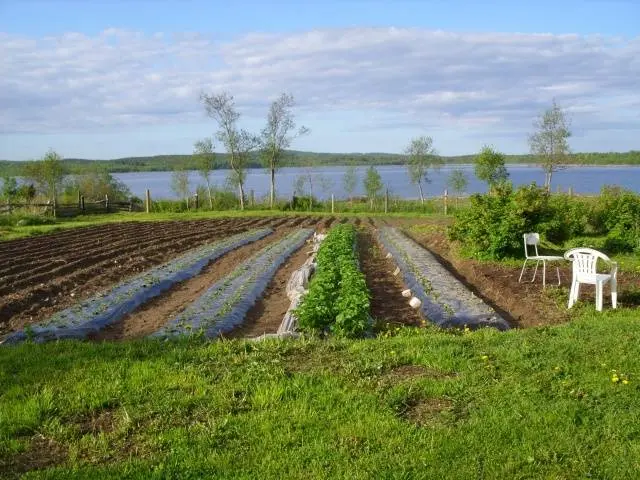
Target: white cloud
x=412, y=77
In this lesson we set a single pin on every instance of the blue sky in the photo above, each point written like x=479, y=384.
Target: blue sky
x=105, y=79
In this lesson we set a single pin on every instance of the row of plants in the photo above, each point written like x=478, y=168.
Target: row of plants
x=491, y=227
x=109, y=306
x=225, y=304
x=445, y=301
x=338, y=300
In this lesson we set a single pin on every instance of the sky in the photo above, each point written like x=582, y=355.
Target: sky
x=107, y=79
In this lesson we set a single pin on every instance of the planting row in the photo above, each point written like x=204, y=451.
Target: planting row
x=338, y=300
x=224, y=305
x=445, y=301
x=103, y=309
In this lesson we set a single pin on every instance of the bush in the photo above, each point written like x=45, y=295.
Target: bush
x=618, y=216
x=493, y=225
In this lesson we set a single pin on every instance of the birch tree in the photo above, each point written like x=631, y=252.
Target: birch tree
x=204, y=152
x=276, y=137
x=549, y=141
x=421, y=156
x=238, y=143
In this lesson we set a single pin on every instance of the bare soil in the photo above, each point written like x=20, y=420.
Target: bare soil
x=267, y=313
x=42, y=275
x=154, y=314
x=387, y=303
x=523, y=304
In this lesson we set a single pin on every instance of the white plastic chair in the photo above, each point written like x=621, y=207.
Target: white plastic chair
x=534, y=239
x=585, y=262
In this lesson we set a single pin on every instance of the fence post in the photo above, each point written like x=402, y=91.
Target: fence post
x=445, y=199
x=82, y=203
x=386, y=200
x=332, y=205
x=147, y=200
x=106, y=202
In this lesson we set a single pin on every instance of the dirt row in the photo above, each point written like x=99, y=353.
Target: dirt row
x=35, y=291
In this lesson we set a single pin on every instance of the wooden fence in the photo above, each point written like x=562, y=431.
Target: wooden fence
x=72, y=209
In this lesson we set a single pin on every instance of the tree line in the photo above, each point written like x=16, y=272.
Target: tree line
x=271, y=149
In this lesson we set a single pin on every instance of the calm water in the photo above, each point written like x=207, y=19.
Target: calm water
x=581, y=179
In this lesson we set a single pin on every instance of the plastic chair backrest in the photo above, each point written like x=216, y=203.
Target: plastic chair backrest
x=585, y=260
x=531, y=239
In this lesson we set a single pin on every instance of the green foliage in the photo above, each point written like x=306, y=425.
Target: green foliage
x=95, y=185
x=180, y=184
x=338, y=299
x=457, y=181
x=618, y=215
x=373, y=184
x=549, y=141
x=493, y=225
x=350, y=181
x=47, y=174
x=421, y=156
x=489, y=166
x=9, y=189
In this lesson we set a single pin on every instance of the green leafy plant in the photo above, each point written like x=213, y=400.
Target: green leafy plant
x=338, y=299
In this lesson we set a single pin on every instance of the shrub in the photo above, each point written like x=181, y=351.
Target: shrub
x=492, y=226
x=618, y=216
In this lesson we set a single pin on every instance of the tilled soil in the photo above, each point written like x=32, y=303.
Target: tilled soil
x=387, y=303
x=520, y=304
x=155, y=313
x=267, y=313
x=42, y=275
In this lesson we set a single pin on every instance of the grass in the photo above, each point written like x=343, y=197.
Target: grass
x=415, y=404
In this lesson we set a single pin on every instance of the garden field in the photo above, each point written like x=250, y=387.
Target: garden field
x=371, y=389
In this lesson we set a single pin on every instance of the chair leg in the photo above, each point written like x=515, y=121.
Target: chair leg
x=522, y=271
x=572, y=293
x=614, y=293
x=535, y=272
x=558, y=272
x=599, y=296
x=544, y=274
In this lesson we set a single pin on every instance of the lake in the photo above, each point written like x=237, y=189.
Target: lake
x=328, y=180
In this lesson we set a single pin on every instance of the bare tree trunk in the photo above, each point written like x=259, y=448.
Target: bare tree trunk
x=209, y=192
x=547, y=180
x=241, y=192
x=421, y=195
x=273, y=187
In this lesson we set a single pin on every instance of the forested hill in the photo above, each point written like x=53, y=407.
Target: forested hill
x=295, y=158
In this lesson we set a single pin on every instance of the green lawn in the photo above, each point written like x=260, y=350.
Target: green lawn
x=559, y=402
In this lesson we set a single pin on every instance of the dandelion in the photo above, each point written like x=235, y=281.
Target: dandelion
x=625, y=381
x=485, y=357
x=615, y=379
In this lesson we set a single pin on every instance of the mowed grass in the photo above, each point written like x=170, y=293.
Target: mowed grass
x=559, y=402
